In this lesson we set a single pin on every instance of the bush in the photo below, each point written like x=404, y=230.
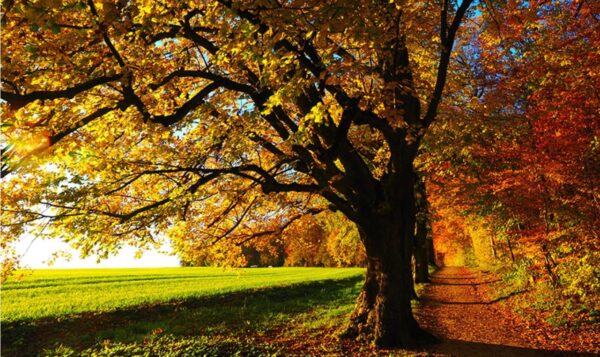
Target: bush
x=574, y=300
x=520, y=275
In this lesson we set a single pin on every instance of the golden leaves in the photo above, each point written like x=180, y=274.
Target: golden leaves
x=317, y=114
x=122, y=162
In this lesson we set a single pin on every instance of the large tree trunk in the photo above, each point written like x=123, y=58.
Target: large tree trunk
x=383, y=312
x=422, y=266
x=420, y=241
x=413, y=291
x=431, y=252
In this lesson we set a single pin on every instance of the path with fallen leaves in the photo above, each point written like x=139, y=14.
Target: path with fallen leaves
x=457, y=308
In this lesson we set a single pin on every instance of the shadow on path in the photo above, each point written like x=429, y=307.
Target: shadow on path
x=456, y=306
x=466, y=284
x=468, y=349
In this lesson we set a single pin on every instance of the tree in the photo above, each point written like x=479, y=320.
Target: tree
x=305, y=243
x=524, y=166
x=343, y=241
x=423, y=250
x=227, y=119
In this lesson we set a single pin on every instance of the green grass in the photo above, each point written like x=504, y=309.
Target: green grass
x=60, y=293
x=209, y=312
x=170, y=346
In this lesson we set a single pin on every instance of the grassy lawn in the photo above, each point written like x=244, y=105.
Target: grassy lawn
x=179, y=312
x=56, y=293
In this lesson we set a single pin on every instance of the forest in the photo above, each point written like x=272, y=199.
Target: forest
x=399, y=136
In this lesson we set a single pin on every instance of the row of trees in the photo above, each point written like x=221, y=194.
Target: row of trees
x=522, y=186
x=327, y=239
x=224, y=124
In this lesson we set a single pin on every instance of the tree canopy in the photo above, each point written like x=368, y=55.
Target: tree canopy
x=513, y=174
x=224, y=125
x=214, y=119
x=106, y=99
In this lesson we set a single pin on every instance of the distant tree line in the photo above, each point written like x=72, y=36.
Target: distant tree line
x=324, y=240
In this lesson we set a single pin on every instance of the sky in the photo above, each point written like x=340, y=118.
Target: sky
x=37, y=252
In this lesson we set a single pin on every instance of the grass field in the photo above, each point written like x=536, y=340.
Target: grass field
x=61, y=292
x=178, y=312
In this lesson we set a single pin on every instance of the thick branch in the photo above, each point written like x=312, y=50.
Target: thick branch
x=17, y=101
x=447, y=36
x=187, y=107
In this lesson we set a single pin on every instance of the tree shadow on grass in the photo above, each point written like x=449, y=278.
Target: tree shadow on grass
x=221, y=325
x=249, y=312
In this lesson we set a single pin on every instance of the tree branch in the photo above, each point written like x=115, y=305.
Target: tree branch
x=446, y=51
x=17, y=101
x=282, y=228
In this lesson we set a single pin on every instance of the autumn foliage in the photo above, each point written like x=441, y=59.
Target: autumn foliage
x=303, y=133
x=327, y=239
x=522, y=189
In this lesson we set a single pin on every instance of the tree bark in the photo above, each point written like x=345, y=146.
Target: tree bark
x=493, y=244
x=422, y=266
x=549, y=265
x=431, y=252
x=413, y=267
x=383, y=312
x=510, y=250
x=420, y=239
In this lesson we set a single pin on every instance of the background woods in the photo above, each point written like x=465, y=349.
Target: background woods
x=520, y=190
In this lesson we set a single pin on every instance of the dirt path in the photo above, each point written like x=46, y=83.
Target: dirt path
x=456, y=307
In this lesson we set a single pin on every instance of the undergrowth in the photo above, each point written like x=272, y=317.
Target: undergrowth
x=572, y=300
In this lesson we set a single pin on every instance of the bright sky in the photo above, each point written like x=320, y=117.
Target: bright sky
x=41, y=251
